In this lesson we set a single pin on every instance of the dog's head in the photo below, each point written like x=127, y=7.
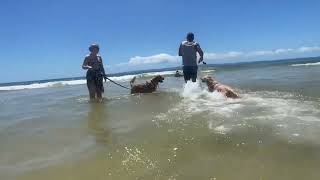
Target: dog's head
x=207, y=79
x=158, y=79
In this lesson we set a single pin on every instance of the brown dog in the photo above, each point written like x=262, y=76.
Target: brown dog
x=148, y=87
x=215, y=85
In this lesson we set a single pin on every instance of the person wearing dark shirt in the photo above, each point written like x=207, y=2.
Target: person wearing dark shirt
x=188, y=50
x=95, y=73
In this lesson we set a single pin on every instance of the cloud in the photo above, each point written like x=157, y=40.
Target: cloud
x=270, y=52
x=216, y=56
x=252, y=54
x=155, y=59
x=308, y=49
x=279, y=51
x=164, y=58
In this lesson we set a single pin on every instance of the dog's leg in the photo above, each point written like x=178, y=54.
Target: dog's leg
x=132, y=81
x=230, y=93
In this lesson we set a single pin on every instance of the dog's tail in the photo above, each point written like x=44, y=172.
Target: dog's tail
x=132, y=81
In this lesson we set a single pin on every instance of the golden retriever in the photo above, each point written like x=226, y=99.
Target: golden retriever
x=148, y=87
x=214, y=85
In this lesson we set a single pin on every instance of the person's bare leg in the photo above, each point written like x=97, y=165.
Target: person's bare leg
x=99, y=96
x=194, y=76
x=92, y=96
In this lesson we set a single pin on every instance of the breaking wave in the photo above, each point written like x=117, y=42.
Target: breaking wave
x=51, y=84
x=42, y=85
x=79, y=82
x=307, y=64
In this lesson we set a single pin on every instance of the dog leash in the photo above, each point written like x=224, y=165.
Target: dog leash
x=117, y=83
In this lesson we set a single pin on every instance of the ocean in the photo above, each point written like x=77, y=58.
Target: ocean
x=49, y=130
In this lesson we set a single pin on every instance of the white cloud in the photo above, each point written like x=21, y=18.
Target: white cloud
x=259, y=53
x=270, y=52
x=216, y=56
x=279, y=51
x=155, y=59
x=231, y=55
x=308, y=49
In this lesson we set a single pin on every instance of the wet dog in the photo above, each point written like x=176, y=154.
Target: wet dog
x=148, y=87
x=214, y=85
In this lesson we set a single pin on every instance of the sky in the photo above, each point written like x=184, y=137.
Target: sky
x=42, y=39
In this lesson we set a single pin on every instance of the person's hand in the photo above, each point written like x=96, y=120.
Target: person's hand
x=200, y=59
x=86, y=67
x=105, y=78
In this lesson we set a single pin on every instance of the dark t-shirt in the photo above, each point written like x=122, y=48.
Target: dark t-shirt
x=188, y=51
x=96, y=64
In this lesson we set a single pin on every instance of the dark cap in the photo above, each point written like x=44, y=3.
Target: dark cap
x=190, y=36
x=93, y=46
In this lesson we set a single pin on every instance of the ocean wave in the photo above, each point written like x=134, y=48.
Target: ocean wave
x=162, y=73
x=208, y=71
x=51, y=84
x=307, y=64
x=123, y=78
x=42, y=85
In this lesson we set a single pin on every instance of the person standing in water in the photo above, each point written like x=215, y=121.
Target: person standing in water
x=188, y=50
x=95, y=73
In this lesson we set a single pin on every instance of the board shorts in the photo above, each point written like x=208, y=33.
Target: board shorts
x=94, y=82
x=190, y=72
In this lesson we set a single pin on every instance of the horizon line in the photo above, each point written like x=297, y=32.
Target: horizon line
x=157, y=69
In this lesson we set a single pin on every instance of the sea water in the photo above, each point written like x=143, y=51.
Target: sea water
x=49, y=130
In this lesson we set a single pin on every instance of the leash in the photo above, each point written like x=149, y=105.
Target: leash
x=117, y=83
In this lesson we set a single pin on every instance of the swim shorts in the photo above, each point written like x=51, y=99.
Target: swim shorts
x=190, y=72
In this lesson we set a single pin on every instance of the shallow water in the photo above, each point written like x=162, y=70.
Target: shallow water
x=179, y=132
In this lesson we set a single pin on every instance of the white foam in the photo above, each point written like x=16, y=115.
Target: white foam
x=123, y=78
x=208, y=71
x=221, y=129
x=191, y=90
x=163, y=73
x=275, y=105
x=282, y=111
x=307, y=64
x=198, y=99
x=42, y=85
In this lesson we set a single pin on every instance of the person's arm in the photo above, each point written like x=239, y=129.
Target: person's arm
x=103, y=71
x=180, y=50
x=85, y=65
x=199, y=50
x=102, y=68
